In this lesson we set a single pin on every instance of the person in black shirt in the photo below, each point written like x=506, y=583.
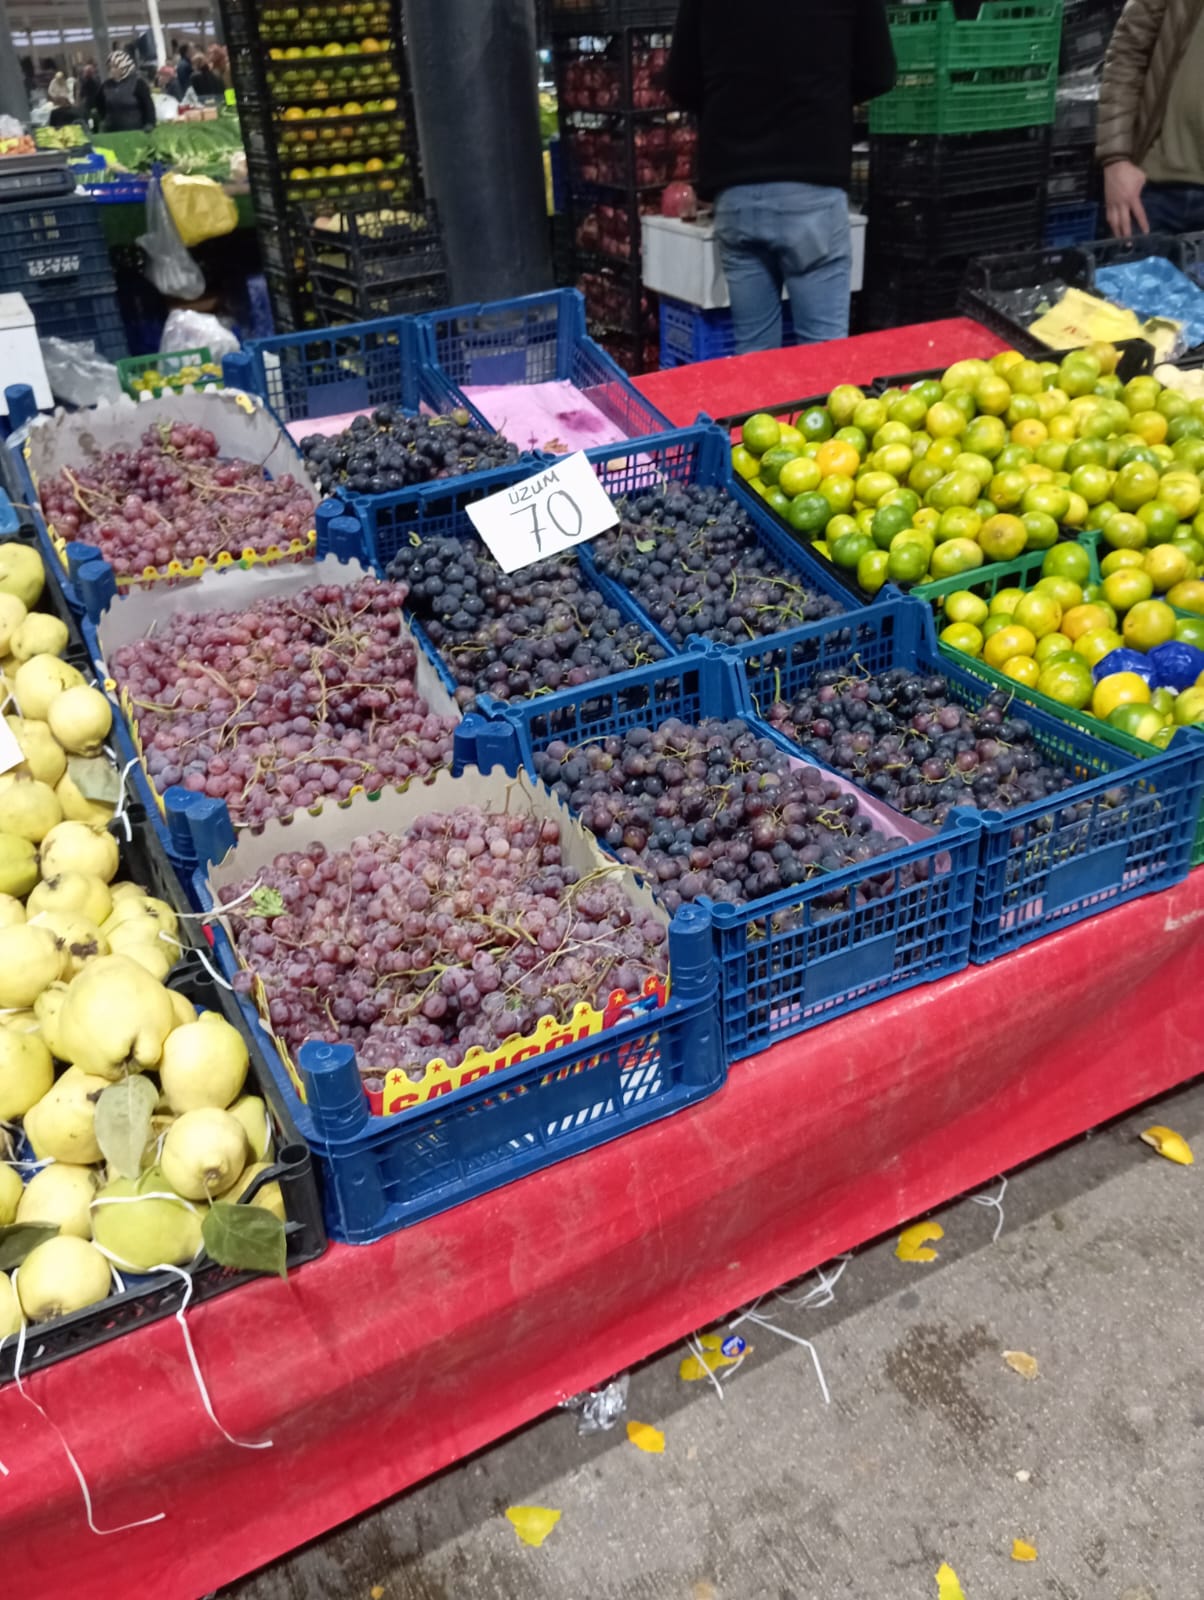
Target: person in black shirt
x=124, y=103
x=775, y=150
x=204, y=80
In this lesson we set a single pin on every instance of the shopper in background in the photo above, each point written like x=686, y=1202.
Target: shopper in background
x=1150, y=139
x=124, y=103
x=774, y=151
x=89, y=87
x=184, y=67
x=167, y=83
x=65, y=110
x=204, y=80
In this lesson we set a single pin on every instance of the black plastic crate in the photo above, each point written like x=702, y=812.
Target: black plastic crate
x=150, y=1298
x=1086, y=29
x=336, y=302
x=937, y=165
x=34, y=177
x=604, y=16
x=93, y=316
x=50, y=247
x=1074, y=120
x=900, y=290
x=958, y=225
x=373, y=246
x=1073, y=176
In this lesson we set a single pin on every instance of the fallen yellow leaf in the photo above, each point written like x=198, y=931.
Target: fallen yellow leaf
x=376, y=1592
x=1020, y=1361
x=913, y=1241
x=1170, y=1144
x=947, y=1586
x=533, y=1523
x=1021, y=1551
x=645, y=1437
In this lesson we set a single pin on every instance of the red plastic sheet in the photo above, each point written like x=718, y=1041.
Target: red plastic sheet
x=724, y=388
x=375, y=1367
x=372, y=1368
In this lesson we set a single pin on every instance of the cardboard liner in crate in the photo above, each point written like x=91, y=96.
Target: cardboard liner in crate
x=242, y=425
x=233, y=588
x=393, y=811
x=542, y=1106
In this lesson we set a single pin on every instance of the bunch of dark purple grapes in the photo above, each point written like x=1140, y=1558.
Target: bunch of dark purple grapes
x=692, y=558
x=389, y=450
x=716, y=809
x=517, y=634
x=902, y=737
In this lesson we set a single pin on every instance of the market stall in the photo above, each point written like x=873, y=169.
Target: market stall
x=378, y=1364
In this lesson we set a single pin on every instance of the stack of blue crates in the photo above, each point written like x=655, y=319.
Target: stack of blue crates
x=53, y=252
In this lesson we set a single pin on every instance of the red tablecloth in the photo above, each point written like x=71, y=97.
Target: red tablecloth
x=375, y=1367
x=723, y=388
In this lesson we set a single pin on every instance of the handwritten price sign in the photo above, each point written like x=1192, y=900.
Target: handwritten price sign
x=554, y=511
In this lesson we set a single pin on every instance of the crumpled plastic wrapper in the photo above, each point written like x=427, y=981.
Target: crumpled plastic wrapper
x=77, y=374
x=598, y=1410
x=1155, y=287
x=197, y=330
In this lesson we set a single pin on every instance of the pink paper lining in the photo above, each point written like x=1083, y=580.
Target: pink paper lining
x=552, y=416
x=885, y=818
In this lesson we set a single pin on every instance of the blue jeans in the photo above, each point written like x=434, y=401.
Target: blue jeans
x=1174, y=207
x=792, y=235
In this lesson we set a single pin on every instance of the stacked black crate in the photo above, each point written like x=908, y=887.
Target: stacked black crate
x=622, y=144
x=328, y=124
x=959, y=150
x=1075, y=183
x=937, y=200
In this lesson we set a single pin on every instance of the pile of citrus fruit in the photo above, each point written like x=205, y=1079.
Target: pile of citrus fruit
x=986, y=463
x=1115, y=648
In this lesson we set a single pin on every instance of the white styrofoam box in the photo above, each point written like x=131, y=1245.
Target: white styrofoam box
x=681, y=259
x=20, y=354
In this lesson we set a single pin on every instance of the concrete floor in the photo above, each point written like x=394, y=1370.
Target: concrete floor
x=931, y=1450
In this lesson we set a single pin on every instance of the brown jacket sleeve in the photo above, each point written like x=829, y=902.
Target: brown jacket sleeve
x=1125, y=68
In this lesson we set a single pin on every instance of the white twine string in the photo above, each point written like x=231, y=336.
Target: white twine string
x=120, y=813
x=195, y=950
x=220, y=910
x=167, y=1266
x=823, y=1293
x=995, y=1201
x=794, y=1338
x=125, y=1527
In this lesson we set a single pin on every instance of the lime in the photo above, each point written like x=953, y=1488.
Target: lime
x=808, y=512
x=963, y=636
x=760, y=433
x=871, y=570
x=963, y=605
x=815, y=423
x=1067, y=680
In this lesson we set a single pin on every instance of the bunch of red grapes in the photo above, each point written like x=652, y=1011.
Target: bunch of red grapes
x=461, y=931
x=292, y=700
x=173, y=499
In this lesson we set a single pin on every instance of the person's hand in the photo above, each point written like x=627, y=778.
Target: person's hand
x=1123, y=183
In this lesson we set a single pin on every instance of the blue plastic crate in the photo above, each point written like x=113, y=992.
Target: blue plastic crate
x=1052, y=862
x=690, y=334
x=88, y=312
x=540, y=338
x=325, y=372
x=789, y=961
x=382, y=1173
x=50, y=245
x=1067, y=225
x=699, y=455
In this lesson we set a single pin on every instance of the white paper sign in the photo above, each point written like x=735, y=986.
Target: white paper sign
x=555, y=510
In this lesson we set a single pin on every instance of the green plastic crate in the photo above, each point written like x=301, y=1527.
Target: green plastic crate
x=996, y=71
x=988, y=100
x=166, y=363
x=1022, y=573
